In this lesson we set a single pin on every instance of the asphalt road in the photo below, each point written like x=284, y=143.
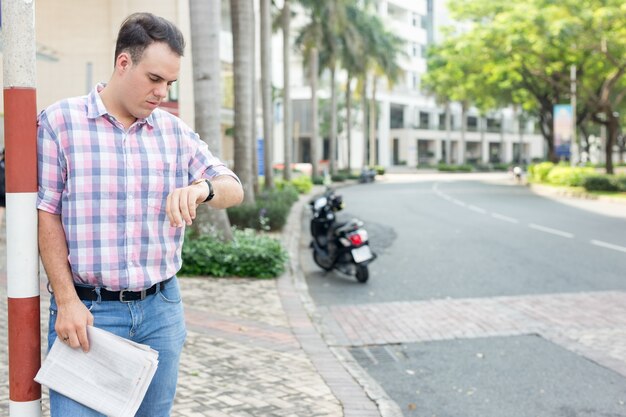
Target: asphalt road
x=447, y=238
x=438, y=239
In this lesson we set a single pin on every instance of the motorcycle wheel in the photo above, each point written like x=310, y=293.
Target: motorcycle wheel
x=318, y=261
x=362, y=273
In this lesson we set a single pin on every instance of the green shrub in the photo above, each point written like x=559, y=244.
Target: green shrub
x=338, y=177
x=620, y=180
x=318, y=180
x=568, y=176
x=600, y=183
x=248, y=255
x=500, y=167
x=303, y=184
x=349, y=174
x=380, y=170
x=539, y=172
x=455, y=168
x=269, y=211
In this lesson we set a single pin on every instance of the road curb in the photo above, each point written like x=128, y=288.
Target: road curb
x=565, y=192
x=359, y=394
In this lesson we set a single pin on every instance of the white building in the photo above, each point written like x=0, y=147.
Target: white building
x=411, y=126
x=75, y=40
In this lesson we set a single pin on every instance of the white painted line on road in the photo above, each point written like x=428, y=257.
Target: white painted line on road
x=551, y=231
x=608, y=245
x=505, y=218
x=459, y=202
x=477, y=209
x=391, y=353
x=369, y=355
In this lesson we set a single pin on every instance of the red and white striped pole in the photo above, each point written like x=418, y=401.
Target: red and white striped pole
x=20, y=128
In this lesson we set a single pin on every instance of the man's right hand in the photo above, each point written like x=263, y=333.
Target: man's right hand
x=71, y=324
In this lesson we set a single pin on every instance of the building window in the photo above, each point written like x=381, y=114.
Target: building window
x=493, y=125
x=396, y=117
x=424, y=120
x=472, y=123
x=415, y=19
x=416, y=50
x=416, y=82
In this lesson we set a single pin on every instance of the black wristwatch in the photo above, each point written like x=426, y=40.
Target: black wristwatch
x=211, y=193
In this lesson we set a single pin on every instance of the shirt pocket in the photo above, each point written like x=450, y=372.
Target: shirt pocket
x=158, y=183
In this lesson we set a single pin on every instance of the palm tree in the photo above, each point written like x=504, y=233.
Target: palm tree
x=205, y=41
x=266, y=91
x=333, y=25
x=383, y=49
x=286, y=28
x=309, y=40
x=351, y=52
x=242, y=17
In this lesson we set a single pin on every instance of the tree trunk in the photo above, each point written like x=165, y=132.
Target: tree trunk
x=365, y=118
x=266, y=93
x=462, y=150
x=372, y=120
x=448, y=146
x=332, y=145
x=349, y=121
x=612, y=129
x=315, y=151
x=205, y=41
x=255, y=93
x=243, y=34
x=287, y=133
x=547, y=130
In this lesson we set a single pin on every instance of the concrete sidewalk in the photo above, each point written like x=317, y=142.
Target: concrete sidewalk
x=252, y=348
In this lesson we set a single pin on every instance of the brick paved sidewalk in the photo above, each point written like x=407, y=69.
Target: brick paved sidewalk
x=252, y=350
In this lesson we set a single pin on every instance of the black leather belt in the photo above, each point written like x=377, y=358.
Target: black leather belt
x=89, y=293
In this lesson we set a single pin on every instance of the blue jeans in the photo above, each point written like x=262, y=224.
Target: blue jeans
x=156, y=321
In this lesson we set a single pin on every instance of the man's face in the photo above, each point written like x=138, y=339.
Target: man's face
x=147, y=82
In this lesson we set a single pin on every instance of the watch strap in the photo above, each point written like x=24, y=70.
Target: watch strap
x=208, y=182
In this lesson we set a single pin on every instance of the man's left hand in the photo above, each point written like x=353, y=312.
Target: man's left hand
x=182, y=203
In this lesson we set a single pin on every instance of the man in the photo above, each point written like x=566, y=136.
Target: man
x=119, y=179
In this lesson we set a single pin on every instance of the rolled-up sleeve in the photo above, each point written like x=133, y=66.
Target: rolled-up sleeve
x=206, y=165
x=51, y=173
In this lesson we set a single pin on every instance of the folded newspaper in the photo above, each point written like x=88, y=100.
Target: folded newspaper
x=111, y=378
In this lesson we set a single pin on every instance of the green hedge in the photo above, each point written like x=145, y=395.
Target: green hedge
x=539, y=172
x=609, y=183
x=248, y=255
x=455, y=168
x=303, y=184
x=269, y=211
x=568, y=176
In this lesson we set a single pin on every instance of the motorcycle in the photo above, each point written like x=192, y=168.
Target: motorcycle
x=343, y=246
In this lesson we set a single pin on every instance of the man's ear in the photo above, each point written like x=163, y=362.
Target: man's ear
x=123, y=61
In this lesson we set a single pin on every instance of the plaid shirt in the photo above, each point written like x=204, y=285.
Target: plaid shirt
x=110, y=187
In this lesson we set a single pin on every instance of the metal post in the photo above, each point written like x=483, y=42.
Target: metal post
x=20, y=125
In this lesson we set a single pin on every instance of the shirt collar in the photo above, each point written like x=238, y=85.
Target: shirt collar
x=96, y=108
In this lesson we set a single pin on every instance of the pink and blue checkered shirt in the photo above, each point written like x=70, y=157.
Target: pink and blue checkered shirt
x=110, y=187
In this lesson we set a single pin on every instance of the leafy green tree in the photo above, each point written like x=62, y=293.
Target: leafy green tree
x=527, y=50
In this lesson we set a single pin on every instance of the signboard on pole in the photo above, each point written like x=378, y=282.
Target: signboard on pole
x=562, y=117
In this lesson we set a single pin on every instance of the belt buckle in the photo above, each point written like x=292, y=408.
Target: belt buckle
x=142, y=292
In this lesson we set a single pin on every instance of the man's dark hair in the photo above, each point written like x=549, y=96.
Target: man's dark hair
x=140, y=30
